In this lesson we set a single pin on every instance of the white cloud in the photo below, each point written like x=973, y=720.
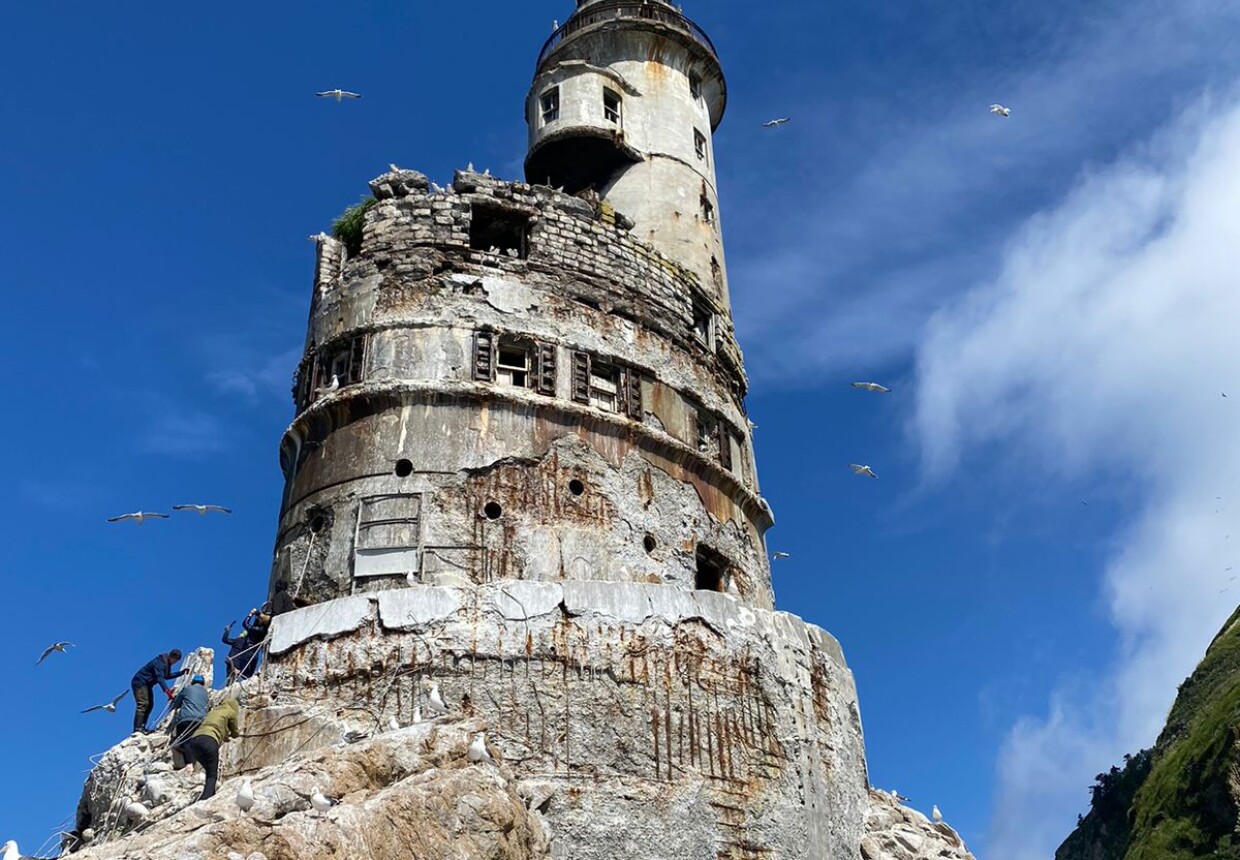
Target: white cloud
x=1101, y=352
x=242, y=371
x=177, y=432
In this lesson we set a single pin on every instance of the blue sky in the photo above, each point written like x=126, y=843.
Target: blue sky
x=1039, y=563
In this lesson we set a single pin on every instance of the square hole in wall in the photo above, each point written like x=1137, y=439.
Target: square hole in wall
x=712, y=570
x=499, y=231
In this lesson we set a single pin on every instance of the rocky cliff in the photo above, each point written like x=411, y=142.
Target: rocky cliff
x=1179, y=800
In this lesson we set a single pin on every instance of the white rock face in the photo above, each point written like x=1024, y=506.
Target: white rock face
x=895, y=832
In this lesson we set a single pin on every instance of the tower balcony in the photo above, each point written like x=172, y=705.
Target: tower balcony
x=611, y=13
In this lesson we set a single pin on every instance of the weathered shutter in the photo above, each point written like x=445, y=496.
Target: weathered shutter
x=357, y=358
x=545, y=376
x=725, y=446
x=633, y=393
x=484, y=356
x=581, y=377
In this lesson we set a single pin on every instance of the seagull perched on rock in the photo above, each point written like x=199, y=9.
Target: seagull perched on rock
x=110, y=707
x=935, y=814
x=354, y=737
x=775, y=123
x=777, y=556
x=435, y=701
x=334, y=385
x=203, y=510
x=862, y=470
x=320, y=801
x=1000, y=110
x=138, y=517
x=393, y=725
x=872, y=386
x=55, y=646
x=478, y=749
x=338, y=95
x=245, y=797
x=136, y=811
x=319, y=237
x=417, y=714
x=898, y=797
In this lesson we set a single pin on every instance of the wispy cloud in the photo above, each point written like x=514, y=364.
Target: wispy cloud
x=1102, y=350
x=240, y=370
x=854, y=276
x=180, y=432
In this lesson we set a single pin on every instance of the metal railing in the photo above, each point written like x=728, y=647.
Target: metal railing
x=619, y=10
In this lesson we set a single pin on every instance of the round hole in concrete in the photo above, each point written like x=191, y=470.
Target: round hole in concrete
x=493, y=511
x=404, y=468
x=317, y=524
x=576, y=487
x=649, y=543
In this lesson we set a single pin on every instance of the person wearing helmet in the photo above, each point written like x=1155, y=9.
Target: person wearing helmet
x=190, y=705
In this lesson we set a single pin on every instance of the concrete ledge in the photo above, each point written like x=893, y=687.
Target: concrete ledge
x=323, y=620
x=417, y=606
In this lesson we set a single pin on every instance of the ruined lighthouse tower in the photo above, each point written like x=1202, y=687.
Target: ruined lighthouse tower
x=520, y=469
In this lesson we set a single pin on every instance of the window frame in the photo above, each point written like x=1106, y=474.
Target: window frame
x=549, y=105
x=701, y=145
x=609, y=115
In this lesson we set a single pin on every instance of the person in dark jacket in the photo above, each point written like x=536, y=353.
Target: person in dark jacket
x=191, y=709
x=158, y=671
x=282, y=601
x=204, y=747
x=244, y=648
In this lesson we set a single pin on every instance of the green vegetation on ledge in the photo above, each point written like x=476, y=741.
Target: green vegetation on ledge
x=1180, y=802
x=348, y=227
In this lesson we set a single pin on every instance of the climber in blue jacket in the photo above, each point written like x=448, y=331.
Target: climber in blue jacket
x=158, y=671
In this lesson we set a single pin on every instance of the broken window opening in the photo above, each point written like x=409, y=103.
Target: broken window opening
x=712, y=570
x=513, y=365
x=345, y=360
x=699, y=144
x=706, y=434
x=611, y=105
x=704, y=324
x=499, y=231
x=716, y=274
x=549, y=105
x=604, y=386
x=607, y=386
x=708, y=210
x=695, y=85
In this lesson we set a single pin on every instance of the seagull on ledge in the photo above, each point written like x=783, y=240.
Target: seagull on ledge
x=138, y=517
x=478, y=749
x=338, y=95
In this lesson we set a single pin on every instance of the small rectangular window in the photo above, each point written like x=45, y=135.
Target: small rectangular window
x=695, y=86
x=344, y=360
x=708, y=211
x=611, y=106
x=610, y=387
x=699, y=144
x=386, y=537
x=704, y=324
x=605, y=392
x=712, y=570
x=549, y=105
x=513, y=365
x=499, y=231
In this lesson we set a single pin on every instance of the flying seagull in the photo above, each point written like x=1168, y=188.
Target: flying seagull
x=320, y=801
x=775, y=123
x=338, y=95
x=110, y=707
x=319, y=237
x=138, y=517
x=478, y=749
x=862, y=470
x=55, y=646
x=872, y=386
x=435, y=701
x=935, y=814
x=777, y=556
x=202, y=509
x=1000, y=110
x=245, y=797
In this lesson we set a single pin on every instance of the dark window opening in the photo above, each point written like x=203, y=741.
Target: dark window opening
x=515, y=361
x=576, y=487
x=704, y=325
x=716, y=274
x=344, y=360
x=493, y=511
x=699, y=144
x=549, y=105
x=404, y=468
x=695, y=85
x=712, y=570
x=513, y=365
x=499, y=231
x=611, y=106
x=606, y=386
x=708, y=211
x=649, y=543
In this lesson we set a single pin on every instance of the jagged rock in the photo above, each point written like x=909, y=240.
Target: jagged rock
x=895, y=832
x=401, y=183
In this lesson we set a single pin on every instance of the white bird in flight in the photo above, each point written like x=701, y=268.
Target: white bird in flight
x=777, y=556
x=245, y=797
x=319, y=237
x=435, y=701
x=337, y=94
x=872, y=386
x=478, y=749
x=10, y=851
x=775, y=123
x=203, y=510
x=862, y=470
x=110, y=707
x=320, y=801
x=55, y=646
x=1000, y=110
x=935, y=814
x=138, y=517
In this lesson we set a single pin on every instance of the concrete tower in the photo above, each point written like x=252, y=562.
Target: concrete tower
x=625, y=97
x=520, y=468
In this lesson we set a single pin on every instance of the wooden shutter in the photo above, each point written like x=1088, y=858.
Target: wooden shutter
x=581, y=377
x=633, y=393
x=484, y=356
x=544, y=382
x=725, y=446
x=357, y=358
